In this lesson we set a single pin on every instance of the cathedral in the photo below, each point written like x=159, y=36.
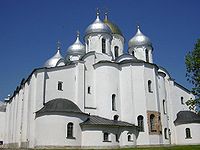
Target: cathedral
x=97, y=96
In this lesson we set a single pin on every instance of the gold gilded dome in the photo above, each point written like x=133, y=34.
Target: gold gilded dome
x=113, y=27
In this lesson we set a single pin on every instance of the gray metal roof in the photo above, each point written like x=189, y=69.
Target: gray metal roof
x=185, y=117
x=58, y=106
x=96, y=120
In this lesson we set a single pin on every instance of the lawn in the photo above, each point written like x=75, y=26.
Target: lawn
x=186, y=147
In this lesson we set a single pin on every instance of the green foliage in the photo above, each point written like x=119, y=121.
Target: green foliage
x=192, y=61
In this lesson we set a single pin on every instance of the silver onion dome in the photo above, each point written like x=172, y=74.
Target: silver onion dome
x=97, y=27
x=139, y=39
x=52, y=62
x=77, y=48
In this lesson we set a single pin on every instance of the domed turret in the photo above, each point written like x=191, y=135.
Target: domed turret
x=77, y=48
x=97, y=27
x=113, y=27
x=139, y=39
x=140, y=46
x=53, y=61
x=117, y=41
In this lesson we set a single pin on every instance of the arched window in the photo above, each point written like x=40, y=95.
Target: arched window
x=164, y=106
x=187, y=133
x=116, y=117
x=140, y=123
x=165, y=133
x=150, y=86
x=70, y=130
x=103, y=45
x=105, y=136
x=152, y=123
x=129, y=137
x=116, y=49
x=133, y=53
x=147, y=55
x=182, y=102
x=113, y=102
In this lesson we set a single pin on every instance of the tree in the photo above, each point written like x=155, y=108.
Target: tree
x=192, y=61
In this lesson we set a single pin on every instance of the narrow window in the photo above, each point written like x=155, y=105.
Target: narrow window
x=165, y=133
x=89, y=90
x=164, y=106
x=133, y=53
x=113, y=102
x=147, y=55
x=140, y=123
x=116, y=51
x=1, y=142
x=70, y=130
x=116, y=117
x=116, y=137
x=60, y=85
x=129, y=137
x=187, y=133
x=103, y=45
x=105, y=137
x=150, y=86
x=152, y=123
x=182, y=102
x=87, y=44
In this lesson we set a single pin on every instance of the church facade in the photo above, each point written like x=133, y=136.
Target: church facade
x=98, y=96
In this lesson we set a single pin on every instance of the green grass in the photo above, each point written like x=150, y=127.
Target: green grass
x=186, y=147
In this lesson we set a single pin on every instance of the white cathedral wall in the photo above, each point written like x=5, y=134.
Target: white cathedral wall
x=90, y=102
x=90, y=81
x=126, y=94
x=123, y=140
x=51, y=131
x=7, y=117
x=31, y=111
x=2, y=126
x=19, y=117
x=95, y=43
x=174, y=105
x=139, y=53
x=163, y=107
x=195, y=136
x=25, y=114
x=68, y=77
x=106, y=84
x=117, y=41
x=93, y=137
x=72, y=79
x=151, y=97
x=140, y=106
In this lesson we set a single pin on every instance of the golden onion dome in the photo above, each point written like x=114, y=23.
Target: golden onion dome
x=113, y=27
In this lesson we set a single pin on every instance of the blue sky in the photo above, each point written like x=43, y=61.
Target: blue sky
x=29, y=30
